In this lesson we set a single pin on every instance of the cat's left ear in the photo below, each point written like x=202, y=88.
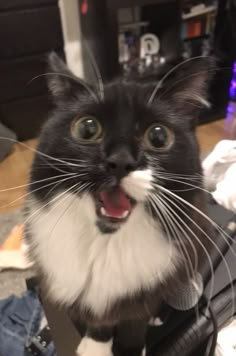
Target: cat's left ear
x=188, y=84
x=62, y=83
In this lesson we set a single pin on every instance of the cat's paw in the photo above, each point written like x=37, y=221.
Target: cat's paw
x=90, y=347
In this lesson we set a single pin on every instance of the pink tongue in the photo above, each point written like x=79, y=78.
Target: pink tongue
x=115, y=202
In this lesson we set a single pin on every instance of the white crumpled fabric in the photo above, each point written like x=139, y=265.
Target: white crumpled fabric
x=219, y=169
x=15, y=259
x=226, y=341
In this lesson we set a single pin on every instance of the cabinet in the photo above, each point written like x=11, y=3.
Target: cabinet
x=29, y=30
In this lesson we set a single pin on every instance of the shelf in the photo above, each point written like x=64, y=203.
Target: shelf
x=196, y=38
x=117, y=4
x=199, y=13
x=133, y=25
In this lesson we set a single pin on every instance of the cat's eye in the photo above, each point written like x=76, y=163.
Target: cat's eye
x=87, y=129
x=158, y=137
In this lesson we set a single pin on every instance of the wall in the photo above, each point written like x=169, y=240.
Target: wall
x=72, y=35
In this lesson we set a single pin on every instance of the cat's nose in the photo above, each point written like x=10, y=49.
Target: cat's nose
x=121, y=164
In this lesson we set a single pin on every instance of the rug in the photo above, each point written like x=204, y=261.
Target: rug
x=11, y=281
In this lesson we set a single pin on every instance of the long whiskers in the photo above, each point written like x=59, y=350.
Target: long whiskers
x=160, y=83
x=155, y=164
x=183, y=249
x=190, y=95
x=199, y=228
x=157, y=200
x=213, y=223
x=197, y=239
x=171, y=212
x=38, y=189
x=38, y=152
x=193, y=186
x=44, y=156
x=164, y=225
x=75, y=79
x=35, y=182
x=166, y=208
x=51, y=202
x=97, y=72
x=77, y=190
x=60, y=182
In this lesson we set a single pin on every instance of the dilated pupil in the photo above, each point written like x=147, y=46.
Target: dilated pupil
x=158, y=136
x=87, y=129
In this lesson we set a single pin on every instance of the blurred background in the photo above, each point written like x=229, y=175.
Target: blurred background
x=125, y=37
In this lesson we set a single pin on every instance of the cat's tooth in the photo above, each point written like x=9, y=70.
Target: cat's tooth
x=103, y=211
x=125, y=214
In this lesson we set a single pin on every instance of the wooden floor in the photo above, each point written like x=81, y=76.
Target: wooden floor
x=14, y=170
x=209, y=135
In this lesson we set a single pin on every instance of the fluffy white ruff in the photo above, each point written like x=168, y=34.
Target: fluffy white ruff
x=79, y=260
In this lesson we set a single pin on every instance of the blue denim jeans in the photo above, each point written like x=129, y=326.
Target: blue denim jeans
x=20, y=320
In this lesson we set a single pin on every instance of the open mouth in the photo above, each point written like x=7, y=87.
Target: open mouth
x=113, y=205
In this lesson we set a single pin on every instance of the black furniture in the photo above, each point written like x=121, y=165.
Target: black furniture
x=100, y=29
x=29, y=30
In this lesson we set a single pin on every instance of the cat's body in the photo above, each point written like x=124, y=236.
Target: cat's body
x=116, y=269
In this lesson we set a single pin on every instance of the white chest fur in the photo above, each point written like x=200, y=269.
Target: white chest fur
x=76, y=257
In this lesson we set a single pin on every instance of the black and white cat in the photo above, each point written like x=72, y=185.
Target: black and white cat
x=115, y=199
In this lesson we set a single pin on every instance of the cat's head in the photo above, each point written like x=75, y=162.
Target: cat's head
x=123, y=144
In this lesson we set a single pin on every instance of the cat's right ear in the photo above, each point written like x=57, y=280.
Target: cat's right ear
x=62, y=83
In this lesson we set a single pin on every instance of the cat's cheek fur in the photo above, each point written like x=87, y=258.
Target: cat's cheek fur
x=138, y=184
x=90, y=347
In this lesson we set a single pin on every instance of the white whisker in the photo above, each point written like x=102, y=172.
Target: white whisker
x=50, y=202
x=160, y=83
x=193, y=186
x=203, y=232
x=35, y=182
x=37, y=151
x=170, y=210
x=35, y=190
x=172, y=220
x=213, y=223
x=77, y=191
x=152, y=202
x=186, y=258
x=76, y=79
x=98, y=73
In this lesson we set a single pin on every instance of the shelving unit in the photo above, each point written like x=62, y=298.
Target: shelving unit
x=100, y=29
x=197, y=29
x=101, y=26
x=207, y=10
